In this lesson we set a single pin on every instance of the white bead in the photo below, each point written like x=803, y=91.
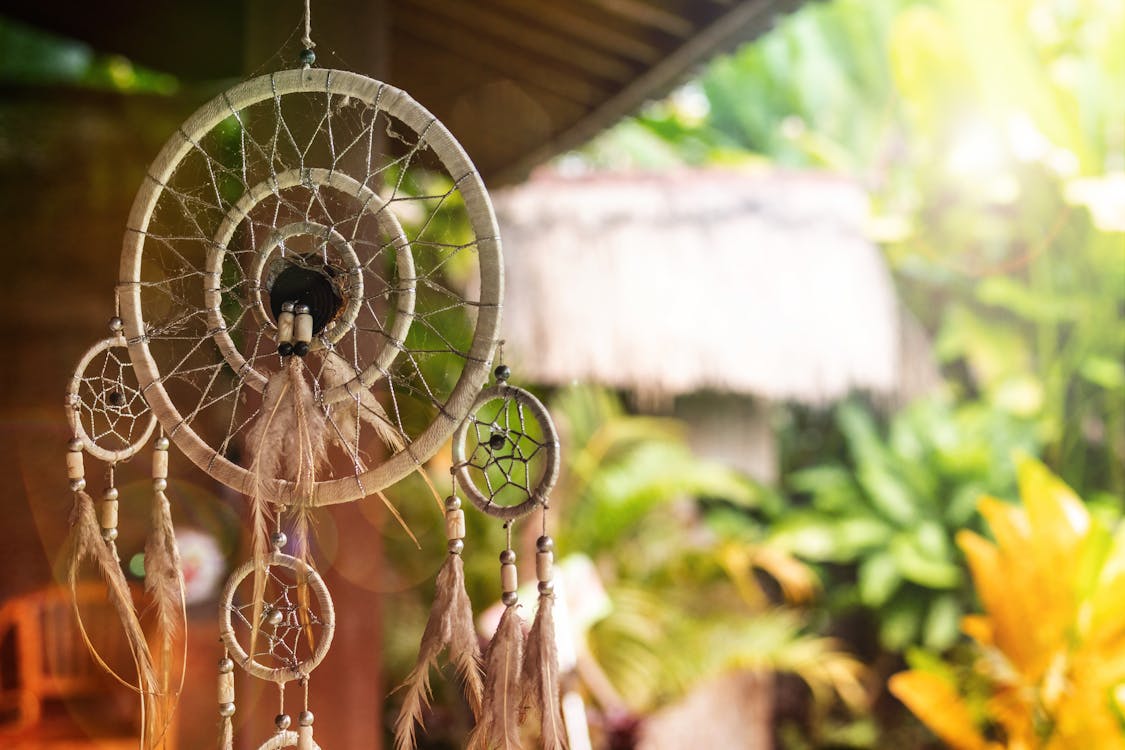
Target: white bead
x=109, y=514
x=75, y=465
x=226, y=687
x=455, y=524
x=285, y=327
x=303, y=328
x=508, y=580
x=160, y=464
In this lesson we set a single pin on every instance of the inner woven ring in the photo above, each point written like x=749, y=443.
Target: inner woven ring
x=342, y=322
x=314, y=178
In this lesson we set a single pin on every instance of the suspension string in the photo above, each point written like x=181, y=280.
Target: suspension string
x=307, y=38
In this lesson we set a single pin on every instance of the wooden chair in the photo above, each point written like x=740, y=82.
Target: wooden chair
x=52, y=694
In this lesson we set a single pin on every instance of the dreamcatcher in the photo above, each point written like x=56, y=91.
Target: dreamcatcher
x=309, y=302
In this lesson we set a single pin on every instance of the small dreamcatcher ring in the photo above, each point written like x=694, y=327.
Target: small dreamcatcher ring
x=471, y=467
x=313, y=178
x=112, y=396
x=283, y=739
x=327, y=623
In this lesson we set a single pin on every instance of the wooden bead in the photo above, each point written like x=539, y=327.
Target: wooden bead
x=226, y=687
x=285, y=327
x=455, y=524
x=305, y=738
x=75, y=465
x=109, y=514
x=160, y=464
x=508, y=581
x=544, y=565
x=303, y=328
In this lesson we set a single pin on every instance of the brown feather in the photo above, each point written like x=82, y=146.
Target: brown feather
x=540, y=678
x=164, y=581
x=265, y=443
x=288, y=441
x=310, y=452
x=346, y=417
x=304, y=611
x=86, y=542
x=362, y=407
x=450, y=625
x=226, y=734
x=498, y=726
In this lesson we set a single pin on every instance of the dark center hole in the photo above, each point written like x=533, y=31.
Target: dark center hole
x=308, y=286
x=116, y=398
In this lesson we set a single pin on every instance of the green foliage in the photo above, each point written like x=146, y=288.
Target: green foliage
x=32, y=57
x=891, y=510
x=680, y=573
x=988, y=135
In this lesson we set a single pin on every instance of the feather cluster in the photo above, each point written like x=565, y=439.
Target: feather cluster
x=499, y=719
x=540, y=678
x=86, y=543
x=226, y=734
x=288, y=441
x=363, y=407
x=450, y=625
x=164, y=581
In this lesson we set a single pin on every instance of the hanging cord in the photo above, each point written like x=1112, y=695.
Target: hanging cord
x=307, y=38
x=308, y=57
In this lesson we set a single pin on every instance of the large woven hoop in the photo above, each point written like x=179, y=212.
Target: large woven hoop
x=487, y=310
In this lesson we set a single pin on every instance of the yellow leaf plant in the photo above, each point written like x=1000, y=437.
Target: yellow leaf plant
x=1051, y=643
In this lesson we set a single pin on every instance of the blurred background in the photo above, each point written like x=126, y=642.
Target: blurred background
x=800, y=283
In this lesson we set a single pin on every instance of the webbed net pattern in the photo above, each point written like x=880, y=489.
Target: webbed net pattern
x=505, y=451
x=108, y=402
x=337, y=187
x=285, y=625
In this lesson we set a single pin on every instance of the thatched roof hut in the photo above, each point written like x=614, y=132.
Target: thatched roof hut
x=739, y=282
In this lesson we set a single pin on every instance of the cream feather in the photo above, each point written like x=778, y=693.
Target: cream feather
x=288, y=441
x=164, y=581
x=345, y=418
x=540, y=677
x=226, y=734
x=86, y=543
x=362, y=407
x=450, y=626
x=498, y=726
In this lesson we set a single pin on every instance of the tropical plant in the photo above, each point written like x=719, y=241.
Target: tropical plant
x=671, y=537
x=989, y=137
x=892, y=510
x=1049, y=670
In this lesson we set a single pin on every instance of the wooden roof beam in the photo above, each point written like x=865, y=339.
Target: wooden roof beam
x=566, y=19
x=652, y=16
x=490, y=22
x=498, y=59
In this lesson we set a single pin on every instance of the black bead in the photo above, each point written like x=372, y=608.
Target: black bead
x=502, y=373
x=308, y=57
x=300, y=348
x=496, y=442
x=116, y=398
x=285, y=349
